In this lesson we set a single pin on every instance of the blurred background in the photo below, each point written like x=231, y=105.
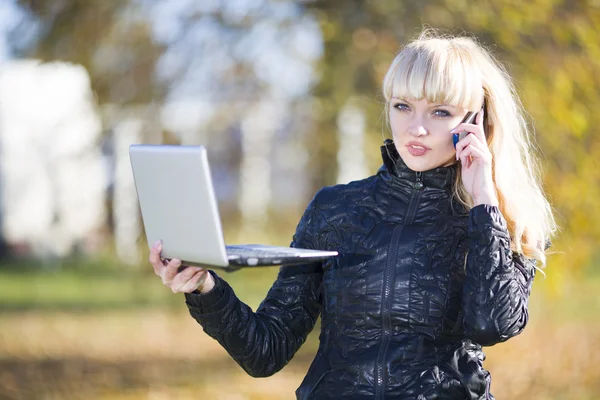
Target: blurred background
x=286, y=96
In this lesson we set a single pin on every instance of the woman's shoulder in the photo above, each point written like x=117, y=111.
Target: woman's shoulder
x=334, y=202
x=345, y=193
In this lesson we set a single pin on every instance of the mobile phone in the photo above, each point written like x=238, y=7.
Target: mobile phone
x=468, y=119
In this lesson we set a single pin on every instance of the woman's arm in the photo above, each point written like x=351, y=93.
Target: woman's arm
x=264, y=341
x=497, y=283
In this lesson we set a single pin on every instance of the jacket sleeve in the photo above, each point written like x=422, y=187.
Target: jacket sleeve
x=497, y=282
x=264, y=341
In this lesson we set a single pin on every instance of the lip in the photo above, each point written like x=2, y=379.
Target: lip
x=415, y=143
x=417, y=152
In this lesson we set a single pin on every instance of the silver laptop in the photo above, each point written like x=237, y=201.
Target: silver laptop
x=179, y=207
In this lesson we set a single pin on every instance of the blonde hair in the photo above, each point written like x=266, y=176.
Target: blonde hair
x=460, y=72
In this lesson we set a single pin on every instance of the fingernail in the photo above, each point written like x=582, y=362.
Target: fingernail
x=157, y=243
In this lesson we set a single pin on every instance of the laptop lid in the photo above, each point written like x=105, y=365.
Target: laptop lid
x=177, y=202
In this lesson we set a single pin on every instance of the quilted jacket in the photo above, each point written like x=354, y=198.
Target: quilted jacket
x=420, y=284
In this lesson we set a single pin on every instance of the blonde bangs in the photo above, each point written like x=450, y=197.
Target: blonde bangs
x=457, y=71
x=449, y=76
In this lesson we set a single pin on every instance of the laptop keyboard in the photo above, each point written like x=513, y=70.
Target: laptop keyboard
x=262, y=252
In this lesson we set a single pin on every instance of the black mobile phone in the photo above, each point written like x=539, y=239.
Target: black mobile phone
x=468, y=119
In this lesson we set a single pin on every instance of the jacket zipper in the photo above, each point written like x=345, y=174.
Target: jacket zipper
x=389, y=279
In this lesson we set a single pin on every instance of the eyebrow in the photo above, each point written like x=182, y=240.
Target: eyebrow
x=434, y=105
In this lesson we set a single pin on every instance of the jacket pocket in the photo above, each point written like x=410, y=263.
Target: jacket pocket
x=317, y=371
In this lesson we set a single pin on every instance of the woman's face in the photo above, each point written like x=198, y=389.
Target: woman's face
x=421, y=132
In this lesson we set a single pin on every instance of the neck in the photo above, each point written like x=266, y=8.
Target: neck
x=441, y=177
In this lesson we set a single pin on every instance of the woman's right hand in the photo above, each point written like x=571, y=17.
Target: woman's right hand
x=180, y=278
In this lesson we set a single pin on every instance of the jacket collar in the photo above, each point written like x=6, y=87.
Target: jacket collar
x=394, y=166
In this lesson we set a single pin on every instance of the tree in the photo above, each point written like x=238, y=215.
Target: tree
x=552, y=52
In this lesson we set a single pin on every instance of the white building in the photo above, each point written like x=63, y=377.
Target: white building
x=53, y=179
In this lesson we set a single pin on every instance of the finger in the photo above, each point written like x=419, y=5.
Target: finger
x=185, y=275
x=465, y=157
x=475, y=155
x=465, y=142
x=170, y=270
x=154, y=257
x=465, y=160
x=479, y=122
x=479, y=119
x=195, y=281
x=470, y=140
x=475, y=152
x=181, y=281
x=477, y=130
x=191, y=284
x=461, y=144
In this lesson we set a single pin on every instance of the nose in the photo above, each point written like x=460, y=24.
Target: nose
x=416, y=128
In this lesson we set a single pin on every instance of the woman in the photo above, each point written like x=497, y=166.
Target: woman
x=437, y=251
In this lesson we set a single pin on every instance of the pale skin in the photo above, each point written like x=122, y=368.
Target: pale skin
x=180, y=280
x=432, y=125
x=416, y=120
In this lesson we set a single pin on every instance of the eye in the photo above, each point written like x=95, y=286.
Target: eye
x=442, y=113
x=401, y=106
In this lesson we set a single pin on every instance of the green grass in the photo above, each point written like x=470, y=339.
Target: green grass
x=91, y=286
x=105, y=284
x=135, y=340
x=71, y=290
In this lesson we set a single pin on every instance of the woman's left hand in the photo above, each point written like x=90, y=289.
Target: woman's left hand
x=476, y=162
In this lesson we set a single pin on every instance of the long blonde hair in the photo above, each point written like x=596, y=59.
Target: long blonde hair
x=458, y=71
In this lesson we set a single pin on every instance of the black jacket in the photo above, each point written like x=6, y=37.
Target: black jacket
x=420, y=284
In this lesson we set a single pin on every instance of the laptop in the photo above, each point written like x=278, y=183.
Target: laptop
x=179, y=207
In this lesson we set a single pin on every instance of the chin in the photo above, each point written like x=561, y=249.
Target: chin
x=424, y=163
x=418, y=164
